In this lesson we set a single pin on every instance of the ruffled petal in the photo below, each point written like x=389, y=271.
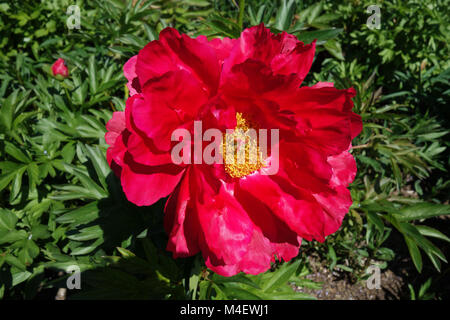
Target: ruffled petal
x=222, y=47
x=253, y=79
x=179, y=52
x=335, y=205
x=283, y=241
x=283, y=52
x=114, y=127
x=145, y=185
x=324, y=116
x=257, y=259
x=305, y=167
x=226, y=227
x=337, y=201
x=129, y=70
x=144, y=151
x=116, y=136
x=167, y=103
x=296, y=208
x=181, y=222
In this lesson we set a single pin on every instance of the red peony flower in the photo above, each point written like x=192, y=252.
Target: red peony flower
x=235, y=214
x=60, y=67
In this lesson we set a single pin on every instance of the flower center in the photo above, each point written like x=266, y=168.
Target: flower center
x=240, y=149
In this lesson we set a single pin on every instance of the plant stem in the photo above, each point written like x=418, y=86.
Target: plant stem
x=361, y=146
x=241, y=14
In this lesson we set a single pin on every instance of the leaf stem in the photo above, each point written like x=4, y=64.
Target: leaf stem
x=241, y=14
x=361, y=146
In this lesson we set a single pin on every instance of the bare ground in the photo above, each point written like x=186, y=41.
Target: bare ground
x=337, y=286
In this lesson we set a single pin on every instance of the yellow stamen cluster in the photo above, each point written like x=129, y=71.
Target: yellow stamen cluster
x=240, y=149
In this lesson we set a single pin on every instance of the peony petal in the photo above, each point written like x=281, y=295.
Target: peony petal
x=145, y=185
x=326, y=129
x=336, y=202
x=307, y=167
x=115, y=136
x=226, y=227
x=298, y=210
x=129, y=70
x=324, y=117
x=356, y=124
x=344, y=168
x=335, y=206
x=253, y=79
x=259, y=255
x=167, y=103
x=174, y=52
x=294, y=59
x=283, y=53
x=222, y=47
x=284, y=242
x=180, y=221
x=114, y=127
x=144, y=151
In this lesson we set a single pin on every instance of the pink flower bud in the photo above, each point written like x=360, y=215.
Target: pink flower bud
x=60, y=67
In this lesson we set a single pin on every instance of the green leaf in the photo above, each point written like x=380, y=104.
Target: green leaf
x=99, y=162
x=92, y=74
x=29, y=250
x=281, y=276
x=12, y=236
x=8, y=219
x=289, y=296
x=235, y=291
x=7, y=111
x=320, y=35
x=17, y=183
x=6, y=178
x=14, y=262
x=85, y=248
x=332, y=256
x=16, y=153
x=89, y=184
x=125, y=253
x=33, y=175
x=88, y=233
x=151, y=253
x=315, y=11
x=431, y=232
x=414, y=252
x=334, y=47
x=84, y=214
x=19, y=277
x=369, y=161
x=412, y=231
x=285, y=14
x=376, y=220
x=422, y=211
x=197, y=3
x=239, y=278
x=40, y=231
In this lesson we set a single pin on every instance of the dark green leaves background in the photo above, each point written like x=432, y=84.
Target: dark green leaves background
x=60, y=204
